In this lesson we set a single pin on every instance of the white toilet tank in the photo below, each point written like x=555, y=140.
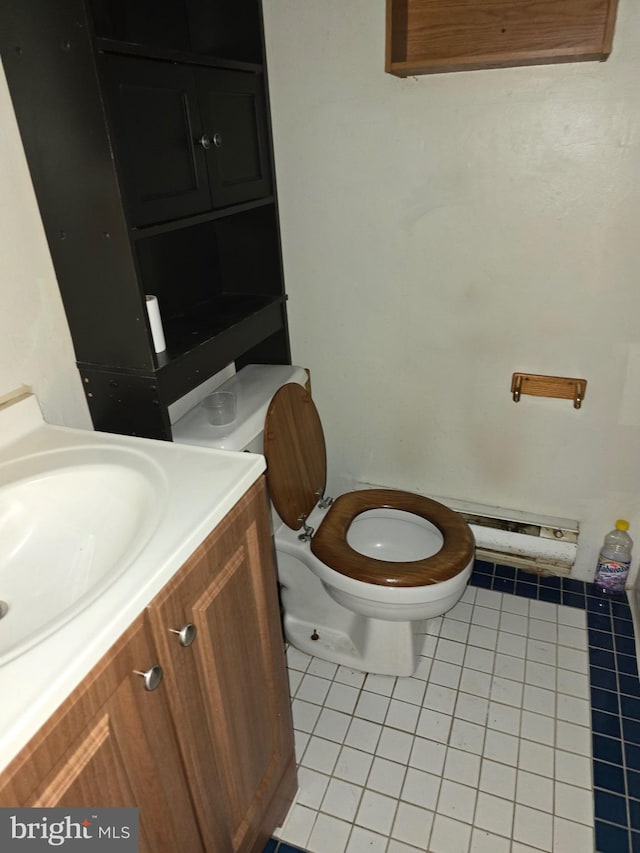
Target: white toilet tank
x=254, y=387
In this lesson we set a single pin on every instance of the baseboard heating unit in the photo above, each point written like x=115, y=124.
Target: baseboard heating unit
x=540, y=543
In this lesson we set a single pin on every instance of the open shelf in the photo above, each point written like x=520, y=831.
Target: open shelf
x=427, y=36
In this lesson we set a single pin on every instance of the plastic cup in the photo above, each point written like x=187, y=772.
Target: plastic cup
x=220, y=407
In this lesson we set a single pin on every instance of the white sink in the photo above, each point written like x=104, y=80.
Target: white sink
x=71, y=521
x=92, y=527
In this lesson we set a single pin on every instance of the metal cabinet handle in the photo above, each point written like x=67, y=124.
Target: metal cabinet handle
x=186, y=634
x=217, y=140
x=205, y=141
x=152, y=677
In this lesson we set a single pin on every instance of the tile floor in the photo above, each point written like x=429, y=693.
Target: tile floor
x=488, y=747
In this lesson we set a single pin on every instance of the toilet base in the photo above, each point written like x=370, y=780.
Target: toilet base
x=344, y=637
x=383, y=648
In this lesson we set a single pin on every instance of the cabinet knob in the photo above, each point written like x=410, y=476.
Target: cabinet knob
x=152, y=677
x=186, y=634
x=205, y=141
x=217, y=140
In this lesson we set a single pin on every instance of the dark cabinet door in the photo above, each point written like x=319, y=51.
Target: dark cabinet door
x=158, y=140
x=232, y=114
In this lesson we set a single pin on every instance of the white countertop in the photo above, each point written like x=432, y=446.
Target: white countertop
x=202, y=485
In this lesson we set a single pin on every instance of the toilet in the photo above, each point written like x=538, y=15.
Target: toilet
x=359, y=575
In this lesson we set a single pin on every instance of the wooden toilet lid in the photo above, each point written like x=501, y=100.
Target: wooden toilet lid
x=296, y=455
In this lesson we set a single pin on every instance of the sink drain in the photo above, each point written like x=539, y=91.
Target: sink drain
x=4, y=608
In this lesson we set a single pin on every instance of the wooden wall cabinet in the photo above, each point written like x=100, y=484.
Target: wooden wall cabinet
x=427, y=36
x=147, y=130
x=208, y=756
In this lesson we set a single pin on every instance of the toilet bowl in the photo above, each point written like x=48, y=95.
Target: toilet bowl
x=386, y=560
x=359, y=576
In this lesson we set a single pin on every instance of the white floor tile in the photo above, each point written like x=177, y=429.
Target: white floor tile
x=498, y=779
x=363, y=735
x=311, y=787
x=298, y=825
x=511, y=644
x=467, y=736
x=332, y=725
x=427, y=755
x=352, y=677
x=456, y=801
x=573, y=738
x=353, y=765
x=394, y=745
x=574, y=803
x=449, y=836
x=372, y=706
x=421, y=789
x=515, y=604
x=449, y=651
x=490, y=598
x=320, y=755
x=486, y=842
x=573, y=769
x=543, y=610
x=532, y=827
x=476, y=683
x=440, y=698
x=313, y=689
x=297, y=660
x=305, y=715
x=434, y=725
x=328, y=833
x=480, y=659
x=537, y=727
x=534, y=791
x=376, y=812
x=364, y=841
x=383, y=684
x=539, y=701
x=341, y=799
x=471, y=708
x=574, y=660
x=342, y=697
x=573, y=683
x=541, y=630
x=504, y=718
x=575, y=638
x=413, y=825
x=410, y=690
x=569, y=837
x=501, y=747
x=536, y=758
x=461, y=611
x=322, y=668
x=494, y=814
x=542, y=652
x=402, y=715
x=572, y=616
x=514, y=623
x=453, y=629
x=447, y=674
x=486, y=617
x=387, y=777
x=506, y=691
x=461, y=766
x=574, y=710
x=541, y=675
x=485, y=638
x=508, y=666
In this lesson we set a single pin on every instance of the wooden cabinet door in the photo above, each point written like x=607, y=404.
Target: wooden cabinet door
x=111, y=744
x=154, y=113
x=232, y=112
x=228, y=591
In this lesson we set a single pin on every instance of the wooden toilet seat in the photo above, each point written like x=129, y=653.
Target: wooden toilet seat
x=296, y=472
x=330, y=541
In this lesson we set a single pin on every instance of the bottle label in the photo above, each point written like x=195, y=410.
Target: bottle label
x=611, y=575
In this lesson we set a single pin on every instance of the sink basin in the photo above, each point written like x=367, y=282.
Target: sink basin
x=71, y=522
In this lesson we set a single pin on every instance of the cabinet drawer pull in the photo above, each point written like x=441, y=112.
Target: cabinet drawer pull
x=152, y=677
x=186, y=634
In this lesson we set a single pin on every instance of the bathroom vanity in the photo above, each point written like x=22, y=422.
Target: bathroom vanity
x=179, y=703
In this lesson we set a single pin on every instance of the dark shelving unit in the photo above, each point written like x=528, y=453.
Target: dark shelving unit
x=147, y=131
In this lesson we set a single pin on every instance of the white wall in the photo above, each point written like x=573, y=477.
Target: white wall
x=440, y=233
x=35, y=344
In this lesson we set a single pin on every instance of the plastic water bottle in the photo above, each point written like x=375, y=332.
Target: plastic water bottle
x=614, y=559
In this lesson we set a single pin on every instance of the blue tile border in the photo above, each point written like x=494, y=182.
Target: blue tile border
x=615, y=697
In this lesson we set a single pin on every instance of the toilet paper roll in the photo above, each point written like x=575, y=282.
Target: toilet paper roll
x=153, y=310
